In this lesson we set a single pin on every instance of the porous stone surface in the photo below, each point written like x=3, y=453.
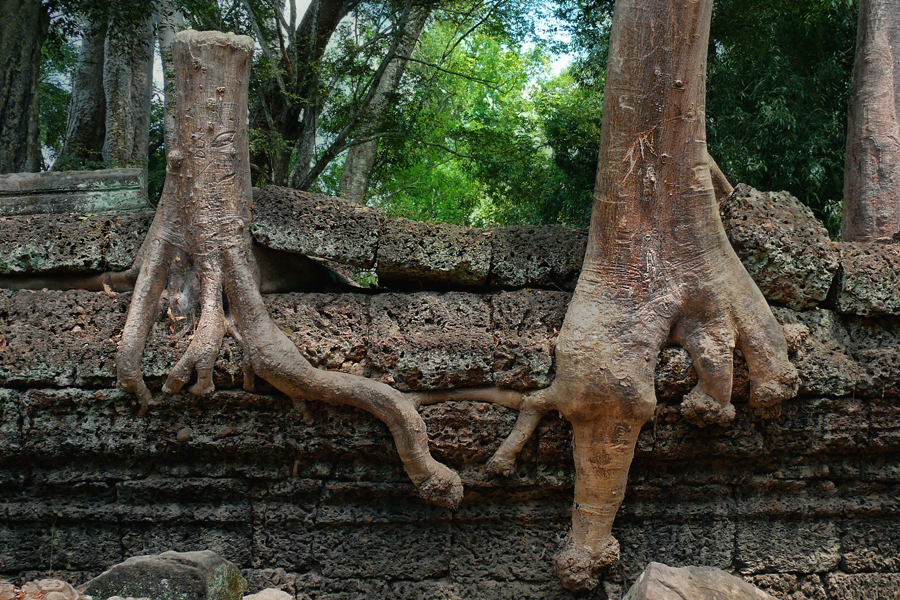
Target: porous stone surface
x=202, y=575
x=71, y=243
x=869, y=282
x=784, y=247
x=547, y=256
x=430, y=341
x=661, y=582
x=314, y=500
x=316, y=225
x=433, y=253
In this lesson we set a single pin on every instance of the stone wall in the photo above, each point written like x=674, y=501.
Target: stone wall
x=805, y=505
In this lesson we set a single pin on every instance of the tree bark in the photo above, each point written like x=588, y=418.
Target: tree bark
x=294, y=112
x=872, y=173
x=201, y=234
x=86, y=126
x=658, y=270
x=361, y=158
x=169, y=25
x=128, y=83
x=24, y=25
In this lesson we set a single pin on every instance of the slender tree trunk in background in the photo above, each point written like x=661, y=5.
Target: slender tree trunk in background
x=128, y=82
x=169, y=25
x=86, y=126
x=361, y=158
x=872, y=173
x=293, y=114
x=24, y=27
x=201, y=232
x=658, y=270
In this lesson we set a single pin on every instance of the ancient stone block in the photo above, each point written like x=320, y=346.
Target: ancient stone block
x=316, y=225
x=871, y=545
x=790, y=586
x=105, y=190
x=468, y=432
x=506, y=550
x=803, y=546
x=433, y=254
x=869, y=280
x=871, y=586
x=200, y=575
x=526, y=324
x=329, y=329
x=430, y=341
x=124, y=238
x=547, y=256
x=382, y=551
x=52, y=244
x=708, y=542
x=784, y=248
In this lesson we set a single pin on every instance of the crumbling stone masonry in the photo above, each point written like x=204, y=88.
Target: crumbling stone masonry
x=805, y=505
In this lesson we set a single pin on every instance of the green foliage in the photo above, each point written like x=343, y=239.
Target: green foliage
x=489, y=138
x=57, y=60
x=778, y=85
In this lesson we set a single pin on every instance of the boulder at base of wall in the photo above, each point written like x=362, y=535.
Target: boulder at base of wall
x=270, y=594
x=171, y=576
x=661, y=582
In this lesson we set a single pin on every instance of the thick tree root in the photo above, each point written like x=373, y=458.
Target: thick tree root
x=579, y=568
x=201, y=229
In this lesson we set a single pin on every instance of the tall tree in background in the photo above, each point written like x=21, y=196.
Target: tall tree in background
x=287, y=109
x=23, y=29
x=361, y=157
x=779, y=80
x=872, y=175
x=109, y=113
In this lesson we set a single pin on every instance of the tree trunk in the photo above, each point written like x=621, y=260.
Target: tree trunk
x=169, y=25
x=24, y=26
x=658, y=270
x=128, y=83
x=872, y=173
x=86, y=126
x=361, y=158
x=201, y=233
x=293, y=114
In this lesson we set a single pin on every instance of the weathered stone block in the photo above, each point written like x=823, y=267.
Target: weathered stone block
x=788, y=586
x=709, y=542
x=51, y=244
x=382, y=550
x=871, y=586
x=430, y=341
x=316, y=225
x=509, y=549
x=869, y=280
x=804, y=546
x=329, y=329
x=784, y=248
x=171, y=576
x=124, y=238
x=71, y=243
x=871, y=545
x=105, y=190
x=415, y=253
x=526, y=325
x=537, y=256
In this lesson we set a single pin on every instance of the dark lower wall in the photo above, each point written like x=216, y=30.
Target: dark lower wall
x=806, y=505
